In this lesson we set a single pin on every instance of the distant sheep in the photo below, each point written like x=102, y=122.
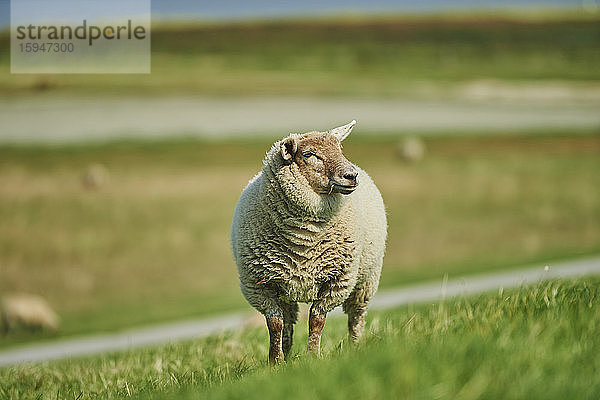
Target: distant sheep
x=94, y=177
x=411, y=149
x=310, y=227
x=27, y=311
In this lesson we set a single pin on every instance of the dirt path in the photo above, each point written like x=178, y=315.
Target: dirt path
x=67, y=119
x=433, y=291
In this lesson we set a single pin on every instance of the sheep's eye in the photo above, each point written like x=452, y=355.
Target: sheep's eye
x=309, y=154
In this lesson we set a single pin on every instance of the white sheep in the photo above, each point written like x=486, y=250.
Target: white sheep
x=28, y=311
x=310, y=227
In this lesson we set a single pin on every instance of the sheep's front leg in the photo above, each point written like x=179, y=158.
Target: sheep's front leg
x=290, y=315
x=275, y=325
x=356, y=308
x=356, y=323
x=316, y=322
x=331, y=295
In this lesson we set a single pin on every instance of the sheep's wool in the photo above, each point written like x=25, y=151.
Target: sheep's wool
x=294, y=245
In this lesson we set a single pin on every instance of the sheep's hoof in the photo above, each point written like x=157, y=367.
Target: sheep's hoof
x=314, y=351
x=276, y=358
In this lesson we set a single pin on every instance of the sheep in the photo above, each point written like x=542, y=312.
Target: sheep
x=411, y=149
x=28, y=311
x=305, y=230
x=94, y=177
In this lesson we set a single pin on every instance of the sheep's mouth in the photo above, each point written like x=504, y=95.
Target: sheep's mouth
x=343, y=189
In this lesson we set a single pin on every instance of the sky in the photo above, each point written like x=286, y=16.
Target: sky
x=74, y=11
x=240, y=9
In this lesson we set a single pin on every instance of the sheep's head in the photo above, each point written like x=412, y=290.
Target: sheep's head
x=319, y=158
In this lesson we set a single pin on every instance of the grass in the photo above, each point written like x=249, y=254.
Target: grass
x=383, y=56
x=536, y=342
x=152, y=244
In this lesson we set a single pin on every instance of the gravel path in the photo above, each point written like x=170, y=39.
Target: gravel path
x=429, y=292
x=70, y=119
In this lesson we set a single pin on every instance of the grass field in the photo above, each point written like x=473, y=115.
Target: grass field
x=152, y=244
x=536, y=342
x=383, y=56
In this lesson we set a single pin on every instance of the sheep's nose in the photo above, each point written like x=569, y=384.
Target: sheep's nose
x=351, y=176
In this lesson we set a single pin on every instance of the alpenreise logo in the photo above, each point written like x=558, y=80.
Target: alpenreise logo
x=83, y=31
x=80, y=36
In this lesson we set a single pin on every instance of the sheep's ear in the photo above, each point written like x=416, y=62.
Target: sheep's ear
x=289, y=146
x=341, y=132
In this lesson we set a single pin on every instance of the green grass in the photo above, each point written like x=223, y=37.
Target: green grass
x=536, y=342
x=382, y=56
x=152, y=245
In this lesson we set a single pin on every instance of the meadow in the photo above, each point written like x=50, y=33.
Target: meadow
x=535, y=342
x=358, y=56
x=152, y=243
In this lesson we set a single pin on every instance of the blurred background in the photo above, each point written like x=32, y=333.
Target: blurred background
x=479, y=121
